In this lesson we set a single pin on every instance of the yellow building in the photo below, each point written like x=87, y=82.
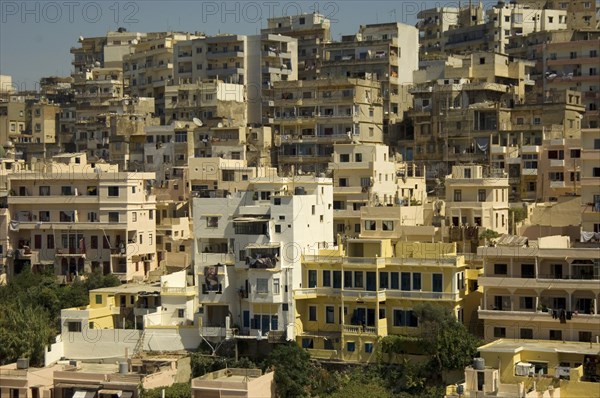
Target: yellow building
x=352, y=297
x=547, y=290
x=509, y=368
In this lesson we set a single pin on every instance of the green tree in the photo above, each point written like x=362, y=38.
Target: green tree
x=293, y=370
x=178, y=390
x=446, y=340
x=25, y=330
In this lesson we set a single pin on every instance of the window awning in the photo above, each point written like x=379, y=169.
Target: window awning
x=84, y=394
x=250, y=219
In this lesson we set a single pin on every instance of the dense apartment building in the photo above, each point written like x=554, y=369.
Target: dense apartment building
x=536, y=133
x=309, y=117
x=107, y=224
x=367, y=288
x=502, y=22
x=149, y=67
x=509, y=368
x=590, y=183
x=386, y=53
x=256, y=62
x=581, y=14
x=248, y=248
x=547, y=291
x=312, y=31
x=434, y=23
x=366, y=175
x=458, y=112
x=477, y=199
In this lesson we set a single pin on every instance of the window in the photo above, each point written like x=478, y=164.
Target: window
x=337, y=279
x=457, y=195
x=383, y=280
x=575, y=153
x=526, y=334
x=98, y=299
x=212, y=222
x=358, y=279
x=368, y=348
x=344, y=158
x=500, y=269
x=596, y=172
x=278, y=229
x=113, y=191
x=312, y=313
x=347, y=279
x=499, y=332
x=44, y=191
x=351, y=346
x=387, y=225
x=556, y=176
x=437, y=282
x=66, y=191
x=416, y=281
x=44, y=216
x=395, y=280
x=113, y=216
x=312, y=278
x=74, y=326
x=526, y=303
x=358, y=157
x=50, y=241
x=329, y=314
x=276, y=286
x=180, y=313
x=370, y=225
x=481, y=195
x=133, y=216
x=343, y=182
x=326, y=278
x=555, y=335
x=93, y=241
x=262, y=285
x=405, y=318
x=585, y=337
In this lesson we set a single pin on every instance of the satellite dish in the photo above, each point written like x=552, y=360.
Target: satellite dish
x=197, y=122
x=97, y=64
x=220, y=125
x=134, y=42
x=126, y=102
x=80, y=39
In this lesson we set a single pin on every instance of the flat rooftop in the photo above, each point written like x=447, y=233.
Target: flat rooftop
x=570, y=347
x=129, y=288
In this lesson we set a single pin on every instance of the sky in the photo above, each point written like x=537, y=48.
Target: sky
x=36, y=36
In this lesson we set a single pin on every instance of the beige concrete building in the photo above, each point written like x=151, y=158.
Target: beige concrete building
x=477, y=199
x=149, y=67
x=581, y=14
x=6, y=85
x=531, y=369
x=387, y=53
x=544, y=290
x=256, y=62
x=457, y=116
x=243, y=383
x=18, y=380
x=309, y=117
x=107, y=225
x=366, y=175
x=590, y=181
x=524, y=141
x=212, y=101
x=312, y=31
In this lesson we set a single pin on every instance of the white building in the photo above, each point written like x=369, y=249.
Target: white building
x=247, y=253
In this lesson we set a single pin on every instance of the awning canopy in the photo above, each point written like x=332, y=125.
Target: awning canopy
x=84, y=394
x=250, y=219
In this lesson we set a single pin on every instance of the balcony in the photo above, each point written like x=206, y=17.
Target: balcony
x=535, y=316
x=178, y=291
x=557, y=184
x=529, y=172
x=265, y=298
x=54, y=199
x=379, y=330
x=557, y=163
x=418, y=295
x=217, y=258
